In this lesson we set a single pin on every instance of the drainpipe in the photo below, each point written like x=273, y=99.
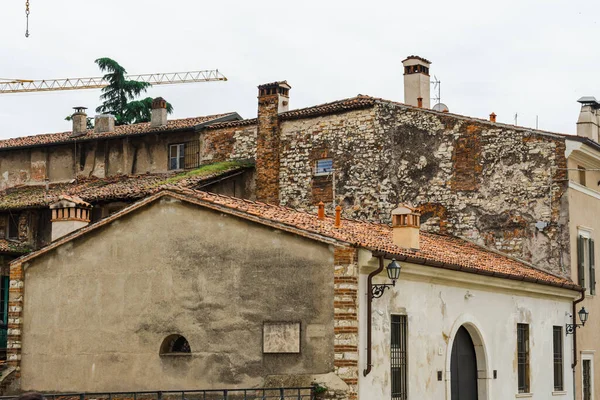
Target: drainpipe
x=574, y=316
x=367, y=370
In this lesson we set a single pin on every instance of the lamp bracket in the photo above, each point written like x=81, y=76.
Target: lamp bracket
x=570, y=328
x=377, y=290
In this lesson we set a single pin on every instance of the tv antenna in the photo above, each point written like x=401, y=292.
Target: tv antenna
x=437, y=90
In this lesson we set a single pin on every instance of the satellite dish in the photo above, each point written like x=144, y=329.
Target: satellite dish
x=441, y=107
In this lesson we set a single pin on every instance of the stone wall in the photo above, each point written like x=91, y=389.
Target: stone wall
x=228, y=141
x=485, y=182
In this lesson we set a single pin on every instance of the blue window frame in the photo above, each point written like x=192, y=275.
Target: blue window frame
x=324, y=166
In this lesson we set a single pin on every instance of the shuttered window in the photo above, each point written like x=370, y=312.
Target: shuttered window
x=586, y=269
x=558, y=358
x=398, y=357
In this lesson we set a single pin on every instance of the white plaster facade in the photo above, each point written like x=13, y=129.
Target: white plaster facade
x=437, y=303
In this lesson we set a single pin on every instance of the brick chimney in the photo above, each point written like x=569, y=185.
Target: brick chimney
x=104, y=123
x=79, y=119
x=405, y=224
x=588, y=121
x=416, y=81
x=69, y=214
x=273, y=98
x=159, y=113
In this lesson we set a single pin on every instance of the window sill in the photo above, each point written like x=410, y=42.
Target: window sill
x=523, y=395
x=322, y=173
x=561, y=393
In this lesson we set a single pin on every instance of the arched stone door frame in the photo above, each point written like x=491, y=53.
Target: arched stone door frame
x=483, y=370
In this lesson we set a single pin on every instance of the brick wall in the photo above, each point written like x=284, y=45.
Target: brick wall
x=15, y=317
x=267, y=149
x=346, y=317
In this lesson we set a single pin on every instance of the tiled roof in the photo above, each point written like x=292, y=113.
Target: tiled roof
x=353, y=103
x=119, y=187
x=241, y=122
x=413, y=57
x=11, y=246
x=123, y=130
x=436, y=250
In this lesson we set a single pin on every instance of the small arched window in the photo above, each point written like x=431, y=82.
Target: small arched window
x=175, y=344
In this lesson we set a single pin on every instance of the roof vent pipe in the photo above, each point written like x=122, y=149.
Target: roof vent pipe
x=321, y=211
x=338, y=216
x=493, y=117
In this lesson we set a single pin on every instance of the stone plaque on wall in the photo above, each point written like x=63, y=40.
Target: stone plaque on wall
x=281, y=337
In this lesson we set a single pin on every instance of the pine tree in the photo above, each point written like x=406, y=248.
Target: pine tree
x=118, y=98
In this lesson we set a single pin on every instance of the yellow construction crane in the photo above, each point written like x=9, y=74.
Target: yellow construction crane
x=161, y=78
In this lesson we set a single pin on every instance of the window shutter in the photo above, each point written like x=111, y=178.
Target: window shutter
x=592, y=269
x=580, y=261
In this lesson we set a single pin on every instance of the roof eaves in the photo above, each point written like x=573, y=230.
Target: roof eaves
x=456, y=267
x=233, y=116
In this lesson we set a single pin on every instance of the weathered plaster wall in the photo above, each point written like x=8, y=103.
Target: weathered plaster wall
x=100, y=158
x=436, y=303
x=478, y=180
x=210, y=277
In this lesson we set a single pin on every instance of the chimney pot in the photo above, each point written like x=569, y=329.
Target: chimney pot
x=338, y=216
x=69, y=214
x=406, y=222
x=493, y=117
x=79, y=119
x=104, y=123
x=420, y=102
x=159, y=113
x=321, y=211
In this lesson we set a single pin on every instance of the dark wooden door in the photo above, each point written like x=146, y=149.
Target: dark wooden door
x=463, y=367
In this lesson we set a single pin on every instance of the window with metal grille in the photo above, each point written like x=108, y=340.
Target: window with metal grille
x=558, y=358
x=324, y=166
x=523, y=357
x=398, y=357
x=176, y=156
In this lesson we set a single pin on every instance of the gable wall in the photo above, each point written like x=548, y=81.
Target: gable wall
x=173, y=268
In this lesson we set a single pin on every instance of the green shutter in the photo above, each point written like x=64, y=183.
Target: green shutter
x=580, y=261
x=592, y=269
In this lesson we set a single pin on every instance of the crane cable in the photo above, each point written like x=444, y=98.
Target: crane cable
x=27, y=17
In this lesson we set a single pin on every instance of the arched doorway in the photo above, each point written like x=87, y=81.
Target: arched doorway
x=463, y=367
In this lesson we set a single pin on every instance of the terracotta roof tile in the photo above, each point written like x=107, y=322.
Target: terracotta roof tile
x=119, y=187
x=353, y=103
x=123, y=130
x=436, y=250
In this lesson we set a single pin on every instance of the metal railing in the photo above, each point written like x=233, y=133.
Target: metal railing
x=287, y=393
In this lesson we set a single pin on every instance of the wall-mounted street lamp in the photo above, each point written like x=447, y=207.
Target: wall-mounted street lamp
x=393, y=272
x=375, y=292
x=583, y=317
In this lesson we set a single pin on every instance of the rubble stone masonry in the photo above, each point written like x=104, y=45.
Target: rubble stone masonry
x=486, y=182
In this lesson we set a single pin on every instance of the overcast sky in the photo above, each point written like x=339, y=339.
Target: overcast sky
x=529, y=57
